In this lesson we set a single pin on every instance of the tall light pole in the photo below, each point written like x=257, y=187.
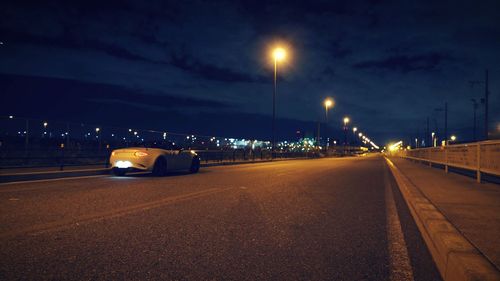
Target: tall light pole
x=328, y=103
x=97, y=132
x=278, y=55
x=346, y=121
x=354, y=130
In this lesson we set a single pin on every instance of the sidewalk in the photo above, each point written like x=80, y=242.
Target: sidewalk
x=473, y=208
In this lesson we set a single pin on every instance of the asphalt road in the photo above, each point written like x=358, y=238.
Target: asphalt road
x=323, y=219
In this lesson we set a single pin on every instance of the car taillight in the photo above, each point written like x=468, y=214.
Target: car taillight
x=140, y=154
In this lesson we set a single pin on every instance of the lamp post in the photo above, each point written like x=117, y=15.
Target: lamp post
x=354, y=130
x=97, y=130
x=45, y=124
x=346, y=121
x=328, y=103
x=278, y=55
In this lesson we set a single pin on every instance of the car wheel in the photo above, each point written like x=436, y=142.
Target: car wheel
x=160, y=167
x=119, y=172
x=195, y=165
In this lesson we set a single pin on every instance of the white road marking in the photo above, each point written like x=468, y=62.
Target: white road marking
x=73, y=178
x=400, y=266
x=48, y=180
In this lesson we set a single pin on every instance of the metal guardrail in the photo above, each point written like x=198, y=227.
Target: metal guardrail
x=481, y=157
x=93, y=158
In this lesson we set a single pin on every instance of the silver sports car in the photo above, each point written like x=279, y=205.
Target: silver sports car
x=158, y=159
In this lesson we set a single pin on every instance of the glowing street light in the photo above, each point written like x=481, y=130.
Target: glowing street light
x=360, y=134
x=97, y=130
x=354, y=129
x=346, y=121
x=45, y=124
x=453, y=138
x=279, y=54
x=328, y=103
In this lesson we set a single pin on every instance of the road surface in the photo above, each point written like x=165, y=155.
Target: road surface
x=322, y=219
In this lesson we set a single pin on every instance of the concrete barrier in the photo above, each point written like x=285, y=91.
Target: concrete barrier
x=456, y=258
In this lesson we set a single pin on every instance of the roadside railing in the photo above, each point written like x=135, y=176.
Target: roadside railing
x=66, y=159
x=480, y=157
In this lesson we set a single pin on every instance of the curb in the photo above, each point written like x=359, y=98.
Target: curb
x=52, y=175
x=455, y=257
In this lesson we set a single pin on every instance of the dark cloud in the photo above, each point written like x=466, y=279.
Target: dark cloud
x=212, y=72
x=32, y=96
x=406, y=64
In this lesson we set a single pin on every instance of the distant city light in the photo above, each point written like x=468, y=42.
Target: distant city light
x=10, y=116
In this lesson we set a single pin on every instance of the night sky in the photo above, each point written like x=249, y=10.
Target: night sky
x=204, y=66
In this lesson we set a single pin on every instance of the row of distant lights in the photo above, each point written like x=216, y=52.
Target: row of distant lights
x=212, y=139
x=136, y=134
x=364, y=138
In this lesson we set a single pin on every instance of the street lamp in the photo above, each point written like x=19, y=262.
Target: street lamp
x=97, y=130
x=279, y=54
x=328, y=103
x=453, y=138
x=346, y=121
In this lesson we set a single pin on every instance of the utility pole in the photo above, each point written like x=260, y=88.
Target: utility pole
x=427, y=133
x=446, y=123
x=474, y=105
x=485, y=100
x=318, y=133
x=486, y=93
